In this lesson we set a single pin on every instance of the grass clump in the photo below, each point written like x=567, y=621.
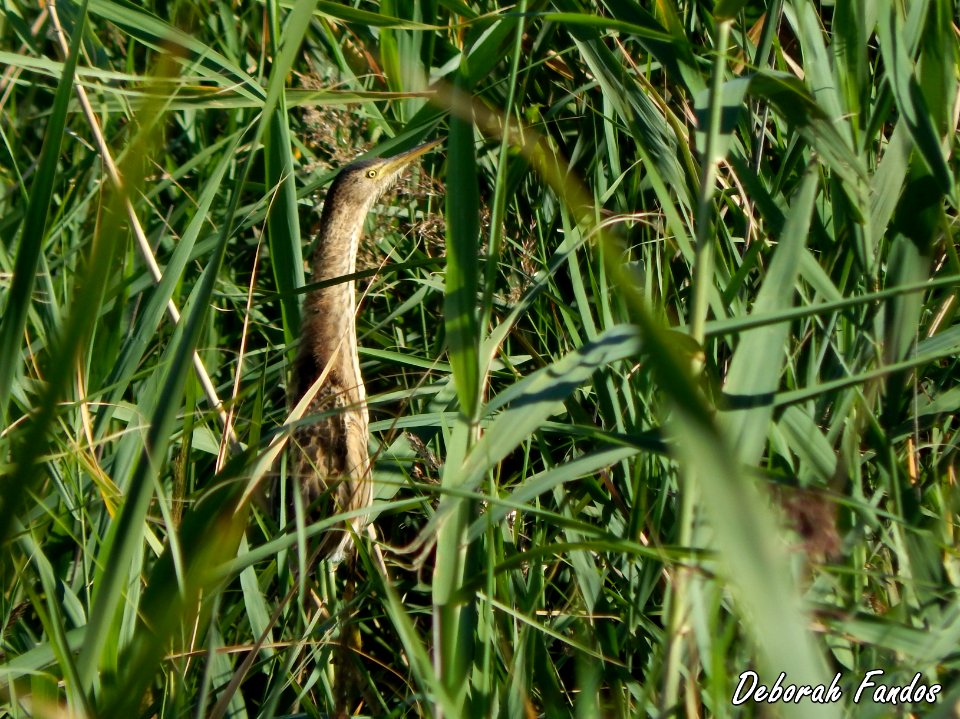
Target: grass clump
x=660, y=354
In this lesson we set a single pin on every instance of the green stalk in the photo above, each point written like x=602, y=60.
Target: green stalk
x=679, y=601
x=704, y=259
x=454, y=615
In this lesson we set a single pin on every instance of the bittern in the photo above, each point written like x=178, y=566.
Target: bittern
x=331, y=463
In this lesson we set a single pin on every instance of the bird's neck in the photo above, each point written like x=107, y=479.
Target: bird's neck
x=329, y=337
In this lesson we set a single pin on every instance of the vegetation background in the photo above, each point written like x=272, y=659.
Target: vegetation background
x=661, y=350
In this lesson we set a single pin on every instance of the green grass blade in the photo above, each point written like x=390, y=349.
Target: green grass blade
x=908, y=95
x=758, y=360
x=137, y=343
x=462, y=276
x=32, y=237
x=283, y=221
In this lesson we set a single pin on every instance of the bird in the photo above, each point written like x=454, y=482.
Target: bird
x=331, y=462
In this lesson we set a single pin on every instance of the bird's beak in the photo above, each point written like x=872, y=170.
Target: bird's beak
x=398, y=162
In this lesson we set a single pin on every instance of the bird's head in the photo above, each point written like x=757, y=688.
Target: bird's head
x=361, y=183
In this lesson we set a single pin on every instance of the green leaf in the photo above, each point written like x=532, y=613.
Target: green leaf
x=759, y=358
x=462, y=276
x=901, y=72
x=528, y=403
x=32, y=237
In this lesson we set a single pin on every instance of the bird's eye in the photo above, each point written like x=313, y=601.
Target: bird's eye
x=371, y=174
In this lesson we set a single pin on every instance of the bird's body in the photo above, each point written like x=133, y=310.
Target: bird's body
x=331, y=464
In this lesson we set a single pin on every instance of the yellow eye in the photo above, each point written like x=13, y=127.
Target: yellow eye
x=371, y=174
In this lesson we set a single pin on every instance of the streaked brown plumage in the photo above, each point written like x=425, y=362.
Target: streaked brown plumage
x=330, y=457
